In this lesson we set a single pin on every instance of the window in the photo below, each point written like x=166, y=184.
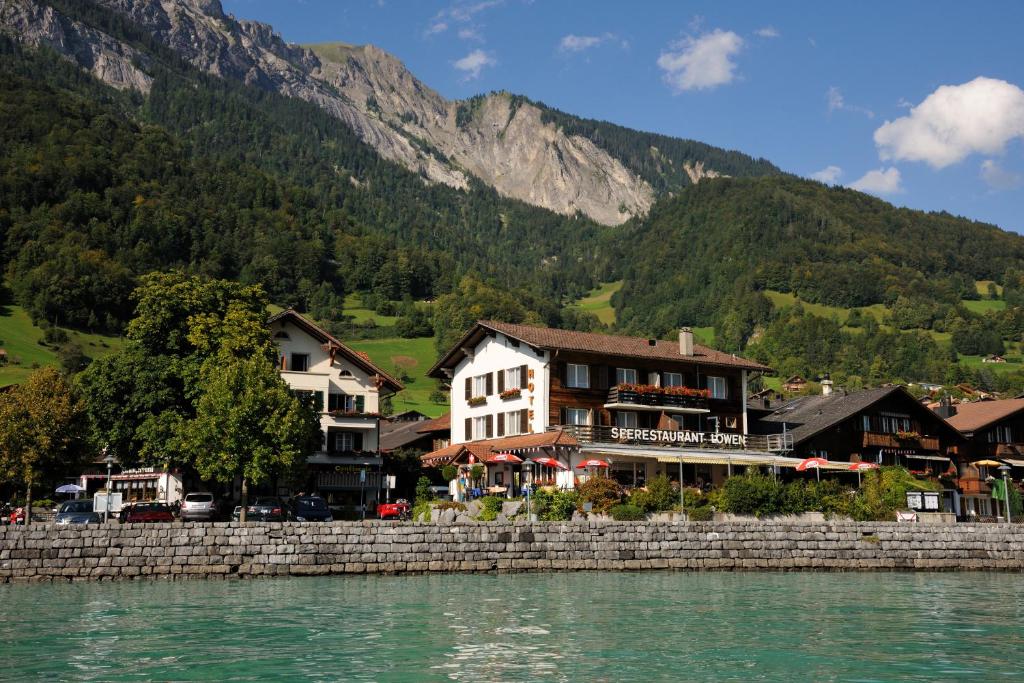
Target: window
x=282, y=335
x=480, y=385
x=577, y=416
x=577, y=376
x=341, y=441
x=625, y=376
x=316, y=397
x=673, y=379
x=345, y=373
x=512, y=378
x=625, y=419
x=299, y=362
x=895, y=422
x=480, y=427
x=345, y=403
x=717, y=387
x=512, y=423
x=866, y=423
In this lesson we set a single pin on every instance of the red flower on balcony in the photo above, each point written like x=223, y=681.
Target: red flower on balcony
x=511, y=393
x=477, y=400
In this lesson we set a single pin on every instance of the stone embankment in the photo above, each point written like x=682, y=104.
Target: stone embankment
x=192, y=550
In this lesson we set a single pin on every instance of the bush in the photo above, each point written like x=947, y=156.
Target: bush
x=424, y=494
x=752, y=493
x=450, y=505
x=449, y=472
x=659, y=496
x=490, y=507
x=701, y=513
x=555, y=505
x=884, y=491
x=627, y=513
x=421, y=511
x=601, y=492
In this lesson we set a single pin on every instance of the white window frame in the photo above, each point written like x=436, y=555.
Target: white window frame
x=479, y=427
x=479, y=386
x=512, y=379
x=626, y=419
x=673, y=379
x=577, y=376
x=344, y=442
x=512, y=423
x=718, y=387
x=573, y=416
x=627, y=376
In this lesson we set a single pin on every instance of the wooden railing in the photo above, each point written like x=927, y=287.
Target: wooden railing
x=617, y=395
x=347, y=480
x=879, y=440
x=601, y=434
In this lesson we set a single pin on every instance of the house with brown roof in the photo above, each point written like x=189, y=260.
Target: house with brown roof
x=542, y=392
x=346, y=388
x=794, y=384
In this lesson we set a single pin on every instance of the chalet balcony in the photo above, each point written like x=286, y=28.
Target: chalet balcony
x=588, y=435
x=907, y=441
x=974, y=487
x=667, y=399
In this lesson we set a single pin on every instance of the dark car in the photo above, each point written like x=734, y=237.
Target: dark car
x=78, y=512
x=263, y=510
x=310, y=509
x=149, y=512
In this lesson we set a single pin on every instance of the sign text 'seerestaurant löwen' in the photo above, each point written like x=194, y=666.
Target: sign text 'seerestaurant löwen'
x=680, y=437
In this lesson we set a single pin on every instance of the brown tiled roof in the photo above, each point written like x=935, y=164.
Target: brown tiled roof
x=605, y=344
x=438, y=424
x=970, y=417
x=483, y=449
x=359, y=358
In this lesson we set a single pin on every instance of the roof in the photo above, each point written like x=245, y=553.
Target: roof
x=811, y=415
x=482, y=450
x=970, y=417
x=549, y=338
x=438, y=424
x=357, y=358
x=399, y=434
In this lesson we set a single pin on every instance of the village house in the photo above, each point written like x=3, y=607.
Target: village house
x=346, y=388
x=555, y=398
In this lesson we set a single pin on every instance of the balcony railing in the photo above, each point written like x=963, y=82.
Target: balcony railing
x=621, y=396
x=347, y=480
x=657, y=438
x=878, y=440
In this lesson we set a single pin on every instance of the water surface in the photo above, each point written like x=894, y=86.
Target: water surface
x=564, y=627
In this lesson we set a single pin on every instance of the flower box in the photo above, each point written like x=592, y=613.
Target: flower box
x=477, y=400
x=510, y=394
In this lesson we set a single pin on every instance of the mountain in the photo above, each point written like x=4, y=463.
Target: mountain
x=522, y=149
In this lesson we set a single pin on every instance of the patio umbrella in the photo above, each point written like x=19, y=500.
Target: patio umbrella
x=70, y=488
x=812, y=464
x=858, y=467
x=505, y=457
x=550, y=462
x=593, y=462
x=986, y=463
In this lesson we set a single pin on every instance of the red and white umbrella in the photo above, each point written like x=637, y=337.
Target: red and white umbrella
x=860, y=466
x=505, y=457
x=550, y=462
x=593, y=462
x=812, y=464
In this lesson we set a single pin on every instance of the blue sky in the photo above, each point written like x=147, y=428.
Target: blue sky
x=920, y=103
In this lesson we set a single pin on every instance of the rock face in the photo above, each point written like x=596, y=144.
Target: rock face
x=497, y=138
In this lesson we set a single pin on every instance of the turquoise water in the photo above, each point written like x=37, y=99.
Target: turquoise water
x=573, y=626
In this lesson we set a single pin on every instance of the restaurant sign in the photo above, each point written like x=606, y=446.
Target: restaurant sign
x=668, y=436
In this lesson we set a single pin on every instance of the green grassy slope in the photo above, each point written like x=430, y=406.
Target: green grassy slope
x=21, y=340
x=599, y=302
x=415, y=356
x=353, y=306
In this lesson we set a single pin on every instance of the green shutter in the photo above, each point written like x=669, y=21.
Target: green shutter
x=360, y=404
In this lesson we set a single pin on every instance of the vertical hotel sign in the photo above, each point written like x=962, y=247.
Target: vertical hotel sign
x=529, y=388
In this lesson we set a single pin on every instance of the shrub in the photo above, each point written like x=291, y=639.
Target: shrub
x=423, y=491
x=627, y=513
x=601, y=492
x=884, y=491
x=490, y=508
x=752, y=493
x=659, y=496
x=702, y=513
x=449, y=472
x=421, y=511
x=476, y=472
x=450, y=505
x=555, y=505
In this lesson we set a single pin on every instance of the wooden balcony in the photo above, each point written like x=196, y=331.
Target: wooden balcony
x=974, y=487
x=879, y=440
x=625, y=399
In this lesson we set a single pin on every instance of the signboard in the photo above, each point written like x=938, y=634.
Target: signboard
x=388, y=481
x=914, y=501
x=99, y=502
x=663, y=436
x=362, y=476
x=931, y=500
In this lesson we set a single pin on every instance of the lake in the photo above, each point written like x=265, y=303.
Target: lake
x=591, y=626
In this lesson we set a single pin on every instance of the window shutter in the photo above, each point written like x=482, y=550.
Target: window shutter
x=320, y=401
x=360, y=404
x=490, y=426
x=562, y=416
x=357, y=441
x=501, y=381
x=602, y=377
x=469, y=388
x=563, y=374
x=524, y=421
x=523, y=373
x=501, y=424
x=469, y=429
x=490, y=383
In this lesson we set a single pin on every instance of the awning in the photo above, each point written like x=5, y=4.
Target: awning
x=1013, y=463
x=137, y=475
x=704, y=457
x=938, y=458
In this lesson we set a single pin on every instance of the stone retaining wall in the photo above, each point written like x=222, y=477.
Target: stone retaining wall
x=194, y=550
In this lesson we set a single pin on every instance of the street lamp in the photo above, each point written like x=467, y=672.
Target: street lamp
x=1005, y=469
x=109, y=459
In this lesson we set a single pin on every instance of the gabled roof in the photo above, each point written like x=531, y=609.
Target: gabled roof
x=551, y=339
x=357, y=358
x=808, y=416
x=399, y=434
x=438, y=424
x=970, y=417
x=482, y=450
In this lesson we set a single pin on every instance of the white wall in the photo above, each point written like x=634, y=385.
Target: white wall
x=494, y=354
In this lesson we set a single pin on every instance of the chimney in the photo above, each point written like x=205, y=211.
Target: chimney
x=826, y=386
x=685, y=341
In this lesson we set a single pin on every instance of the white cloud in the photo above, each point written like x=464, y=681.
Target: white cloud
x=829, y=175
x=836, y=102
x=702, y=62
x=470, y=33
x=999, y=178
x=880, y=181
x=461, y=12
x=473, y=63
x=955, y=121
x=436, y=27
x=574, y=43
x=767, y=32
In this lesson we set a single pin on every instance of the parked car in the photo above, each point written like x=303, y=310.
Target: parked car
x=198, y=507
x=397, y=510
x=78, y=512
x=16, y=516
x=149, y=512
x=265, y=509
x=310, y=509
x=441, y=492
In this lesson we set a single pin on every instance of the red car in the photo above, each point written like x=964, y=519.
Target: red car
x=17, y=516
x=149, y=512
x=396, y=510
